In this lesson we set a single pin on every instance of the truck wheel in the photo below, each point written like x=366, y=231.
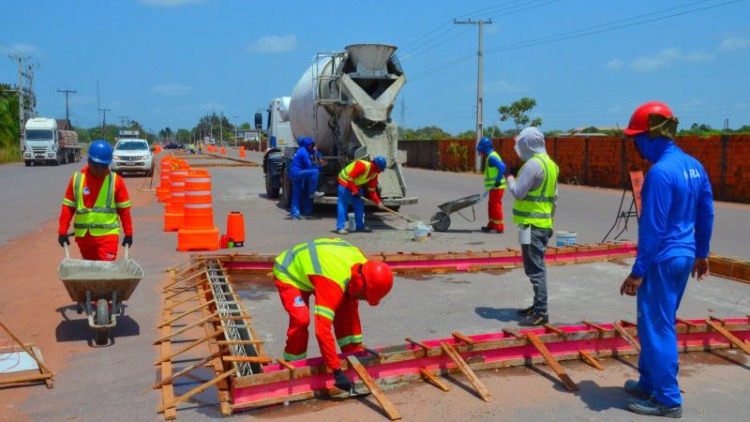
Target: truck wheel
x=286, y=191
x=27, y=162
x=64, y=159
x=271, y=192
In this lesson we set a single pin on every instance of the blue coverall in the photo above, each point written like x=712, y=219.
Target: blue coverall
x=674, y=228
x=304, y=175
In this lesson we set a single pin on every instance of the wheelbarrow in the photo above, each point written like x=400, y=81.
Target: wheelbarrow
x=99, y=288
x=442, y=220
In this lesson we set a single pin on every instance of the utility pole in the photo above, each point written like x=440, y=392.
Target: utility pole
x=67, y=92
x=21, y=115
x=123, y=119
x=104, y=118
x=480, y=83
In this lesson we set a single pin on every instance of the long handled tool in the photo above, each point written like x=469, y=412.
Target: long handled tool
x=396, y=213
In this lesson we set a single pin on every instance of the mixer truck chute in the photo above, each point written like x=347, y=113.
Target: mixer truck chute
x=344, y=102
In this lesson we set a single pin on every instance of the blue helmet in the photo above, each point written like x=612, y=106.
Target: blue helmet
x=100, y=151
x=380, y=162
x=484, y=145
x=305, y=142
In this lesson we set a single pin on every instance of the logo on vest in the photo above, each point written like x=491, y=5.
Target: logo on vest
x=86, y=190
x=298, y=302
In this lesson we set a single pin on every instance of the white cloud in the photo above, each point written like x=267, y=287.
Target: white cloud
x=274, y=44
x=502, y=86
x=171, y=89
x=666, y=57
x=734, y=43
x=21, y=49
x=171, y=3
x=615, y=64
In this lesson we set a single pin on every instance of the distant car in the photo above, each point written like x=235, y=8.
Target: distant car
x=132, y=156
x=172, y=145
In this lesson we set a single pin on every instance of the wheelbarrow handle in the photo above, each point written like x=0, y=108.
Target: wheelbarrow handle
x=67, y=253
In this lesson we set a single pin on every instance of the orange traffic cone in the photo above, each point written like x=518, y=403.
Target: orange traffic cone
x=242, y=152
x=236, y=228
x=198, y=232
x=162, y=191
x=223, y=150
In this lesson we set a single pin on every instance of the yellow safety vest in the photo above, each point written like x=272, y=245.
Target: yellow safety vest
x=331, y=258
x=102, y=219
x=361, y=179
x=490, y=173
x=538, y=207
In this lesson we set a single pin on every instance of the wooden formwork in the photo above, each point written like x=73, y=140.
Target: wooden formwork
x=43, y=374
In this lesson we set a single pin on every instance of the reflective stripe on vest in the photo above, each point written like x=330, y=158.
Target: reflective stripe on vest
x=490, y=173
x=538, y=207
x=331, y=258
x=102, y=219
x=362, y=178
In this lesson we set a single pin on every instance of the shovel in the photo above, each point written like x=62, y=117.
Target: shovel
x=370, y=202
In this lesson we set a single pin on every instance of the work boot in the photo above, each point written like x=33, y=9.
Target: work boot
x=488, y=229
x=652, y=407
x=342, y=231
x=534, y=320
x=634, y=389
x=317, y=194
x=365, y=229
x=525, y=312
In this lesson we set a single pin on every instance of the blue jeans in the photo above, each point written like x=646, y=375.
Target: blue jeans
x=659, y=298
x=304, y=185
x=345, y=198
x=535, y=267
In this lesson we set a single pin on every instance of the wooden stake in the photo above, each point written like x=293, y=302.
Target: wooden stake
x=483, y=392
x=286, y=365
x=385, y=403
x=167, y=391
x=189, y=346
x=233, y=342
x=178, y=317
x=196, y=390
x=590, y=360
x=688, y=323
x=599, y=328
x=180, y=302
x=513, y=332
x=555, y=330
x=185, y=328
x=169, y=287
x=729, y=336
x=250, y=359
x=553, y=363
x=461, y=337
x=170, y=379
x=43, y=369
x=432, y=379
x=420, y=344
x=633, y=342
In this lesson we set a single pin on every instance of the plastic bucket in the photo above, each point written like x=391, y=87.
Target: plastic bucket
x=422, y=233
x=566, y=238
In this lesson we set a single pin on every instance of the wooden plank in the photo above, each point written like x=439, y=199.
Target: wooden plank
x=286, y=365
x=432, y=379
x=621, y=331
x=233, y=342
x=688, y=323
x=461, y=337
x=555, y=330
x=513, y=332
x=170, y=286
x=42, y=368
x=196, y=390
x=590, y=360
x=553, y=363
x=420, y=344
x=483, y=392
x=6, y=380
x=729, y=336
x=599, y=328
x=385, y=403
x=250, y=359
x=170, y=379
x=717, y=319
x=167, y=391
x=185, y=328
x=188, y=347
x=180, y=316
x=180, y=302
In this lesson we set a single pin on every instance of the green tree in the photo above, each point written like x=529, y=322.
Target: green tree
x=517, y=111
x=9, y=130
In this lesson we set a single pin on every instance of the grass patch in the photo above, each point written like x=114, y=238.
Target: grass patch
x=10, y=155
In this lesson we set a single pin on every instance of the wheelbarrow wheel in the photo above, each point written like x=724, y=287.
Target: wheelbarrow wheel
x=102, y=318
x=441, y=221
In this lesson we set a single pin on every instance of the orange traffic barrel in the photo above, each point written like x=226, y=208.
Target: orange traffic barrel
x=165, y=165
x=236, y=228
x=223, y=150
x=198, y=232
x=174, y=210
x=242, y=151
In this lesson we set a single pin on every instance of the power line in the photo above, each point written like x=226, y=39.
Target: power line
x=67, y=93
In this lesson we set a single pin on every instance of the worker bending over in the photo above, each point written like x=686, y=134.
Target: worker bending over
x=304, y=174
x=352, y=179
x=494, y=183
x=534, y=210
x=674, y=235
x=94, y=200
x=339, y=275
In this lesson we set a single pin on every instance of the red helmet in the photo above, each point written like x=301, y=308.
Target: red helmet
x=378, y=279
x=639, y=120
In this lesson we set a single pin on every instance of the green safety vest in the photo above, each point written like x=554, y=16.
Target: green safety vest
x=361, y=179
x=538, y=207
x=490, y=173
x=330, y=258
x=102, y=219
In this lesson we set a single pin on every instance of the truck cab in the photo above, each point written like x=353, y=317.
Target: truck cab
x=279, y=132
x=46, y=142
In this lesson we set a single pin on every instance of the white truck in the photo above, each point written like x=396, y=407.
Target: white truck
x=46, y=142
x=344, y=101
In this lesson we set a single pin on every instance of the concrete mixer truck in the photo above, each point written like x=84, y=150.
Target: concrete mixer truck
x=344, y=101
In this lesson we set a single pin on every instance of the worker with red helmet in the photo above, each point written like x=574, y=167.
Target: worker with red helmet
x=304, y=175
x=353, y=178
x=339, y=275
x=494, y=183
x=674, y=235
x=94, y=200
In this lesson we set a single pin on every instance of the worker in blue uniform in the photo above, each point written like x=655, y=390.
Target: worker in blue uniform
x=304, y=175
x=674, y=234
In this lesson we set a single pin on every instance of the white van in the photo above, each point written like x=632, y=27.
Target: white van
x=132, y=155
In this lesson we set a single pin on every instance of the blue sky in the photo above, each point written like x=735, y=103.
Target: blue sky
x=166, y=63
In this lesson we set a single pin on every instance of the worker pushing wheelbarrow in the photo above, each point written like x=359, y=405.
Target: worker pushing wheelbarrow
x=99, y=288
x=442, y=220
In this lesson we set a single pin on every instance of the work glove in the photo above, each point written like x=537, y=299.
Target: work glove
x=356, y=195
x=511, y=171
x=63, y=240
x=381, y=206
x=127, y=241
x=341, y=381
